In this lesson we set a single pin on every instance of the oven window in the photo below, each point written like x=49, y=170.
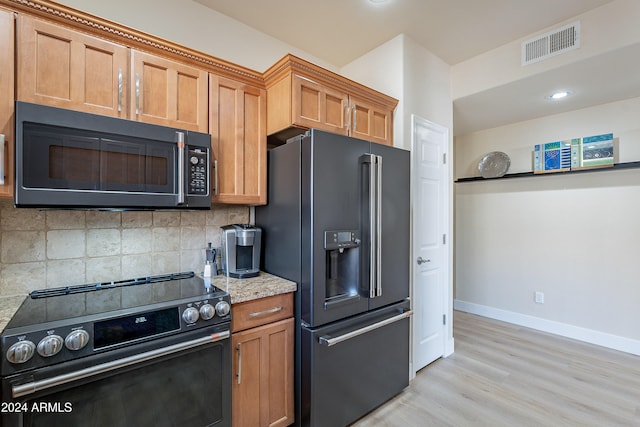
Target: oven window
x=188, y=389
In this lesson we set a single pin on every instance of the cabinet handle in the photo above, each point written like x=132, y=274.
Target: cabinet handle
x=137, y=94
x=239, y=374
x=347, y=113
x=119, y=89
x=215, y=181
x=262, y=313
x=355, y=117
x=1, y=159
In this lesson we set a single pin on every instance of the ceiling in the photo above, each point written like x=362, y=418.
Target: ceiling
x=339, y=31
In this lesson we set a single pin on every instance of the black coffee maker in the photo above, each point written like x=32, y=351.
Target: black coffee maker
x=241, y=250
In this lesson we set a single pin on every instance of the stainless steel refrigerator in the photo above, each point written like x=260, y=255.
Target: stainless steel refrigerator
x=337, y=223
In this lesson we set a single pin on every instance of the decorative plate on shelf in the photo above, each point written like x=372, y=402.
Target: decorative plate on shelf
x=494, y=164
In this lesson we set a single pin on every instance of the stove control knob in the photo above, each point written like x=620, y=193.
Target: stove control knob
x=21, y=352
x=50, y=345
x=222, y=308
x=76, y=340
x=190, y=315
x=207, y=312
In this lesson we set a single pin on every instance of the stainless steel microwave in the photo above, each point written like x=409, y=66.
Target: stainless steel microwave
x=71, y=159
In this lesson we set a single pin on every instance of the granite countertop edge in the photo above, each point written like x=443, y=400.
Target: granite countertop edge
x=241, y=290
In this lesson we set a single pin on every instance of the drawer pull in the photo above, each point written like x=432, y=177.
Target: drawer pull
x=263, y=313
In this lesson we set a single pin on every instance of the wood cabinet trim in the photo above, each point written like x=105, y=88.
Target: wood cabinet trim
x=131, y=38
x=292, y=64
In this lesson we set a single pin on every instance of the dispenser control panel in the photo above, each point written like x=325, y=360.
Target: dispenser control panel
x=341, y=239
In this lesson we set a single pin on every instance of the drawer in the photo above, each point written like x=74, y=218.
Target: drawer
x=261, y=311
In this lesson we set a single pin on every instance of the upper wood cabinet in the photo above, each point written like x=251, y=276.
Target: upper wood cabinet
x=312, y=105
x=238, y=131
x=370, y=121
x=6, y=102
x=301, y=95
x=168, y=93
x=65, y=68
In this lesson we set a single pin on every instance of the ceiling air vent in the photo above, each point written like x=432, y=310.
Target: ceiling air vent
x=550, y=44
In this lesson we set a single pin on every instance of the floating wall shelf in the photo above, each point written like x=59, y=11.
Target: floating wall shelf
x=617, y=166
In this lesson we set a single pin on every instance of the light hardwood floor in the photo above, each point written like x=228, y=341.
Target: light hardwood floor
x=506, y=375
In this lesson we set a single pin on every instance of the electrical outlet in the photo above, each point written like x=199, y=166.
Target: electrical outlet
x=539, y=297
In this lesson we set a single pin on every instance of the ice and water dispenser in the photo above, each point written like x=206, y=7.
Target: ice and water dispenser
x=342, y=252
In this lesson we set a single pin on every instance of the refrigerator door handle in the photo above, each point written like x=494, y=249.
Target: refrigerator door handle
x=331, y=341
x=370, y=159
x=379, y=226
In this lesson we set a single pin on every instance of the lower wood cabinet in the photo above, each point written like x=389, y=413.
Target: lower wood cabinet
x=263, y=363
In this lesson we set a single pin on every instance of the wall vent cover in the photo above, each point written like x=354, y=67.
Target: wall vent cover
x=550, y=44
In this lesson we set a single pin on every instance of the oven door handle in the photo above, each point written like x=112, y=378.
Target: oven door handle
x=32, y=387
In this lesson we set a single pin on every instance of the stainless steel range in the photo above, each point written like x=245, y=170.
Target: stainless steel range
x=151, y=351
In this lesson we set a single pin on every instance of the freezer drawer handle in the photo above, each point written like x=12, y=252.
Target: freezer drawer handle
x=329, y=341
x=32, y=387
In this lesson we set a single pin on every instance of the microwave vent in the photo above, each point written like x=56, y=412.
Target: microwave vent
x=552, y=43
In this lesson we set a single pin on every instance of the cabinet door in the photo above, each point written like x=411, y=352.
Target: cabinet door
x=239, y=138
x=317, y=106
x=371, y=122
x=65, y=68
x=6, y=102
x=262, y=391
x=168, y=93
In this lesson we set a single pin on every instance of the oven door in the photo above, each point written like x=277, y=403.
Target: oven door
x=175, y=381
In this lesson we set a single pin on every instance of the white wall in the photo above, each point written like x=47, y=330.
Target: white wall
x=611, y=26
x=575, y=237
x=198, y=27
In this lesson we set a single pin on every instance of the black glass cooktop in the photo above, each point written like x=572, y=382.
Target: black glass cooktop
x=50, y=305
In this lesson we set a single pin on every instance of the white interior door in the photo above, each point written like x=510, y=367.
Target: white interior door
x=430, y=264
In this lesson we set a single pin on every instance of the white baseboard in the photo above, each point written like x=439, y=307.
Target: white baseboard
x=563, y=329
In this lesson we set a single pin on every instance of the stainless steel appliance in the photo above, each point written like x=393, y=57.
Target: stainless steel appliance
x=71, y=159
x=337, y=223
x=153, y=351
x=241, y=247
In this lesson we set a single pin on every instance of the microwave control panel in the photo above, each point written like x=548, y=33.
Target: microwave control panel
x=198, y=171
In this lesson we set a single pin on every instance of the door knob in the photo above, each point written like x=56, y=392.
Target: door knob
x=422, y=261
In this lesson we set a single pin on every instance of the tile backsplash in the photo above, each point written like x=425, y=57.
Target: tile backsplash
x=50, y=248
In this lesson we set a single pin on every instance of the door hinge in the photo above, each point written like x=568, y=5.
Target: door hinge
x=444, y=158
x=444, y=239
x=444, y=319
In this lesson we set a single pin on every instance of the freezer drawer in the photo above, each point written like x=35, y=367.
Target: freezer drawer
x=350, y=367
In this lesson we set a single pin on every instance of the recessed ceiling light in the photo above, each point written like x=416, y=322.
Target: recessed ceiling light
x=559, y=94
x=378, y=1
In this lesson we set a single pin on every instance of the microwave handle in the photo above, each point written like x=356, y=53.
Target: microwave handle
x=1, y=159
x=180, y=168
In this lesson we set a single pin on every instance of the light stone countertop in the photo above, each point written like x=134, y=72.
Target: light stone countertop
x=240, y=290
x=262, y=286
